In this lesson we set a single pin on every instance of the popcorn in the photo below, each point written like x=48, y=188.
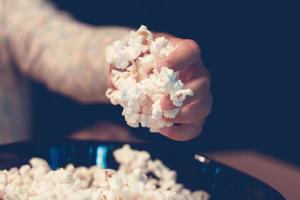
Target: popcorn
x=129, y=182
x=138, y=85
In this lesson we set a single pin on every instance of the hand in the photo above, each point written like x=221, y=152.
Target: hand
x=186, y=58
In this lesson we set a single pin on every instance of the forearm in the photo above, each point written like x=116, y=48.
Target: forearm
x=53, y=48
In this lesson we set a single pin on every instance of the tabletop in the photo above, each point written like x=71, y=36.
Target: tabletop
x=280, y=175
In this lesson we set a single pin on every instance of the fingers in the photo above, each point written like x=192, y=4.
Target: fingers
x=193, y=112
x=109, y=82
x=200, y=88
x=183, y=132
x=186, y=53
x=166, y=103
x=194, y=72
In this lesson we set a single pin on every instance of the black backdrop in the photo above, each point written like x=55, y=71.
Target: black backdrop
x=251, y=49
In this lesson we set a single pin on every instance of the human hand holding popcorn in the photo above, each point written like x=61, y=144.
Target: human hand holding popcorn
x=186, y=58
x=161, y=82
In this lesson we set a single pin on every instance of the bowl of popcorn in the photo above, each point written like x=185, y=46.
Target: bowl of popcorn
x=90, y=170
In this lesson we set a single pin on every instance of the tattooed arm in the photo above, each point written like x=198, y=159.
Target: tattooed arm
x=53, y=48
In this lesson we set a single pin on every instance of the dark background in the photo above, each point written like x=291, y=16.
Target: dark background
x=251, y=49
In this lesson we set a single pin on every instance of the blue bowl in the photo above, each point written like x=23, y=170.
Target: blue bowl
x=195, y=172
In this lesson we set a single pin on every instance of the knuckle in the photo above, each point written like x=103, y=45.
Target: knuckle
x=207, y=73
x=194, y=46
x=207, y=84
x=209, y=103
x=204, y=84
x=184, y=116
x=198, y=129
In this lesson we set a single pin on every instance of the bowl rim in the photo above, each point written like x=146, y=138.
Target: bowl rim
x=8, y=146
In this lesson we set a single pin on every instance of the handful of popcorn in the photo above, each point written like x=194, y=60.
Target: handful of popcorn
x=138, y=85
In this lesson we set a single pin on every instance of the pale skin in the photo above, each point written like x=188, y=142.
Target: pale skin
x=186, y=58
x=68, y=57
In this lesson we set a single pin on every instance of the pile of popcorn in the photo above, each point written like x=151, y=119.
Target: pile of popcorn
x=138, y=85
x=36, y=181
